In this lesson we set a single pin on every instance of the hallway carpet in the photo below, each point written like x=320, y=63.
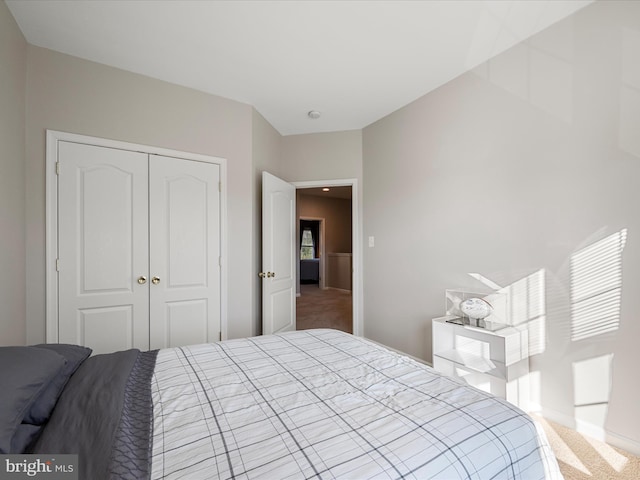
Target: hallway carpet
x=329, y=308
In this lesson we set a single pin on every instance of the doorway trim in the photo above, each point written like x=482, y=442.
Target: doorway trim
x=51, y=217
x=356, y=235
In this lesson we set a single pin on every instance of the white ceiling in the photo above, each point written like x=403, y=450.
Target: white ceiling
x=354, y=61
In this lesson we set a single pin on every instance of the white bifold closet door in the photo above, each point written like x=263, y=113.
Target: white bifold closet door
x=138, y=249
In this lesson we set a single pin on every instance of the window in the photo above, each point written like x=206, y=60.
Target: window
x=307, y=248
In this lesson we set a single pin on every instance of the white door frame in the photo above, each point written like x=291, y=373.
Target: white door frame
x=356, y=235
x=321, y=265
x=51, y=220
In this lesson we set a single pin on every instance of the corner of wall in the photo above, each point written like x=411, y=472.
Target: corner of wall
x=13, y=58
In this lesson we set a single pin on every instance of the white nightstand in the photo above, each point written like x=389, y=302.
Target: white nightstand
x=496, y=361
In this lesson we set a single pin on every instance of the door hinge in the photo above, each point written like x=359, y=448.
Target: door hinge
x=57, y=168
x=220, y=336
x=219, y=261
x=57, y=264
x=220, y=186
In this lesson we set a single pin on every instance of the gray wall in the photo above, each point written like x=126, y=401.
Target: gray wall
x=322, y=156
x=13, y=58
x=500, y=177
x=74, y=95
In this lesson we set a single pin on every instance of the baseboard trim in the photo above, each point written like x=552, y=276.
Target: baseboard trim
x=338, y=289
x=586, y=428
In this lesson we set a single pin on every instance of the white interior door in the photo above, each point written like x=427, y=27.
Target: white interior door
x=184, y=228
x=278, y=255
x=102, y=248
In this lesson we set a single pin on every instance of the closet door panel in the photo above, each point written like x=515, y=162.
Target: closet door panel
x=102, y=247
x=186, y=235
x=184, y=228
x=186, y=322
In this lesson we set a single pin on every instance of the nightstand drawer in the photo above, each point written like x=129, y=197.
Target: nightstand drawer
x=496, y=361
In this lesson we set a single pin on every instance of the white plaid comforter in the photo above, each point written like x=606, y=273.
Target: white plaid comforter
x=325, y=404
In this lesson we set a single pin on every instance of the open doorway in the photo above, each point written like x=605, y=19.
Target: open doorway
x=325, y=258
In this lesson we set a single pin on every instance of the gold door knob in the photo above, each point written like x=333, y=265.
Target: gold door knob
x=142, y=279
x=155, y=280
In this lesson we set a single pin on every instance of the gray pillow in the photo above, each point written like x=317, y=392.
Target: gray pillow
x=24, y=374
x=41, y=409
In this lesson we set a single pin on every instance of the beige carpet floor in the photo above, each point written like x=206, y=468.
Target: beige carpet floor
x=583, y=458
x=329, y=308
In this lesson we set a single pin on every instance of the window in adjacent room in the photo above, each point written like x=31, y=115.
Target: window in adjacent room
x=307, y=248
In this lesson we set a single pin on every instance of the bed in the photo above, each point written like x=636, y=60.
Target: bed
x=308, y=404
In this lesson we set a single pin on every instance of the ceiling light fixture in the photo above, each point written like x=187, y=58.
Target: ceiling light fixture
x=325, y=189
x=313, y=114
